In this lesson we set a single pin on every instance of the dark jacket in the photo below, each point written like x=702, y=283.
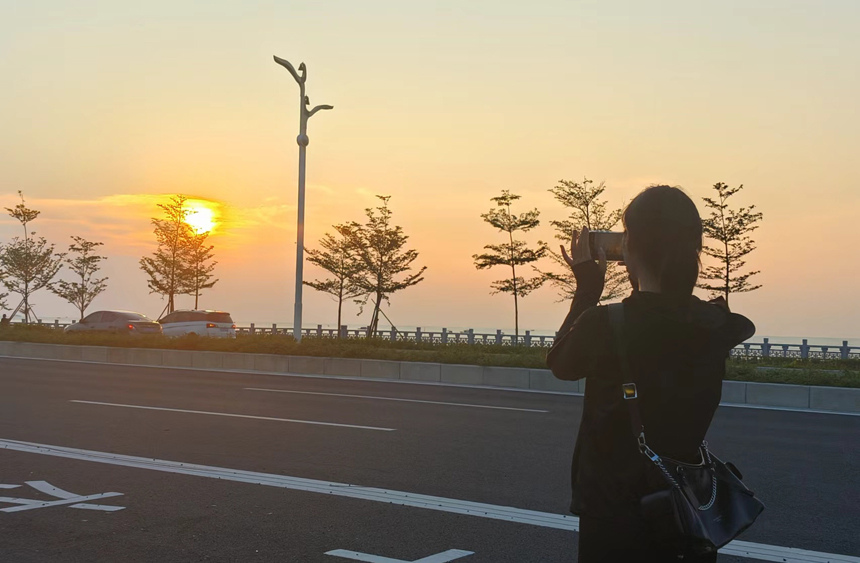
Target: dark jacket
x=677, y=352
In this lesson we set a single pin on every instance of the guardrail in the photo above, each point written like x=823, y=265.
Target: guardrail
x=748, y=350
x=444, y=336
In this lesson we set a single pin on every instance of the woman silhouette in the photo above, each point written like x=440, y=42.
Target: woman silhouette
x=677, y=345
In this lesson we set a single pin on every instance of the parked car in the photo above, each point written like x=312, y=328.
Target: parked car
x=123, y=322
x=217, y=324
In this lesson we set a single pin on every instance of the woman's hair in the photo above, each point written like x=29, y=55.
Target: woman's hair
x=664, y=232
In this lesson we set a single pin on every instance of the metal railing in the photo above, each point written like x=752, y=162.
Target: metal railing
x=747, y=350
x=767, y=349
x=443, y=336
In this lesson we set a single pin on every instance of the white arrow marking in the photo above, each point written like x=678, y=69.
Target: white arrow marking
x=49, y=489
x=449, y=555
x=29, y=504
x=12, y=500
x=443, y=557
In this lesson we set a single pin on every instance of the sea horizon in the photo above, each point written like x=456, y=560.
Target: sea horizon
x=772, y=339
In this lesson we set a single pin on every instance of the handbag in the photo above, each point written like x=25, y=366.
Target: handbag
x=695, y=508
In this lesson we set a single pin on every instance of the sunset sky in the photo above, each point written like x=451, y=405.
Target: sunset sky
x=109, y=107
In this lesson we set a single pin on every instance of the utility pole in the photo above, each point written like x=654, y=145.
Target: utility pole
x=302, y=140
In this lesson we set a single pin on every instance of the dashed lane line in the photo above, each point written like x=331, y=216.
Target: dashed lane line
x=400, y=381
x=371, y=397
x=232, y=415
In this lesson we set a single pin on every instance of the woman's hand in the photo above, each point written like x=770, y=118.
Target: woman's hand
x=580, y=251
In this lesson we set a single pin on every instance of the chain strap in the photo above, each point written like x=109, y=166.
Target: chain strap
x=707, y=456
x=655, y=458
x=713, y=495
x=643, y=447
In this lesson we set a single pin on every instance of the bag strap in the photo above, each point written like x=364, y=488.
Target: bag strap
x=629, y=392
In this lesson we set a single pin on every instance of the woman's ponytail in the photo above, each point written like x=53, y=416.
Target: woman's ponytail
x=664, y=232
x=679, y=271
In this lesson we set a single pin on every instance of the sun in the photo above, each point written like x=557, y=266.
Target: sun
x=201, y=218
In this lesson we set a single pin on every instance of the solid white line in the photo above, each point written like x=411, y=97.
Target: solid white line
x=509, y=514
x=235, y=415
x=403, y=381
x=547, y=520
x=396, y=399
x=786, y=409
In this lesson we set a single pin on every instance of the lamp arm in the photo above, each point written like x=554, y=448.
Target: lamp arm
x=286, y=64
x=316, y=109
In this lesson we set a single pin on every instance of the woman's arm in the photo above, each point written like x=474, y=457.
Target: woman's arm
x=569, y=356
x=738, y=328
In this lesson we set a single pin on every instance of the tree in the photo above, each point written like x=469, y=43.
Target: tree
x=167, y=268
x=338, y=257
x=200, y=265
x=382, y=259
x=28, y=264
x=730, y=229
x=3, y=296
x=84, y=265
x=587, y=209
x=512, y=253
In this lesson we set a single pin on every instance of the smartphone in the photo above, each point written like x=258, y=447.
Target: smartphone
x=610, y=241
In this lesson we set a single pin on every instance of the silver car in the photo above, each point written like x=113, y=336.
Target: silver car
x=217, y=324
x=120, y=322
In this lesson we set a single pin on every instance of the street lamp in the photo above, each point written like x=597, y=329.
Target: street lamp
x=302, y=140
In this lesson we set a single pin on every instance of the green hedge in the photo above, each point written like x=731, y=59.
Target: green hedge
x=839, y=373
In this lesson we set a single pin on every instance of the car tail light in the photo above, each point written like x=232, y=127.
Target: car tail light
x=130, y=327
x=233, y=327
x=211, y=325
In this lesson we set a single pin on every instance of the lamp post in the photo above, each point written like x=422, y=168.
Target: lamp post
x=302, y=140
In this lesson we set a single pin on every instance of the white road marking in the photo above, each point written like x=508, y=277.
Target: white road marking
x=29, y=504
x=396, y=399
x=49, y=489
x=235, y=415
x=443, y=557
x=750, y=550
x=100, y=507
x=12, y=500
x=66, y=498
x=46, y=504
x=786, y=409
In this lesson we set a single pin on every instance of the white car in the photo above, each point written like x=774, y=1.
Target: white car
x=216, y=324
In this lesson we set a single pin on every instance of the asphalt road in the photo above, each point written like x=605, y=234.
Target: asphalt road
x=516, y=454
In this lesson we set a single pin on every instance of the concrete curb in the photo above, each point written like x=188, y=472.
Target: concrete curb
x=740, y=393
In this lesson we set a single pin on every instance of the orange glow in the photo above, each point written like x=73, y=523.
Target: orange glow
x=203, y=215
